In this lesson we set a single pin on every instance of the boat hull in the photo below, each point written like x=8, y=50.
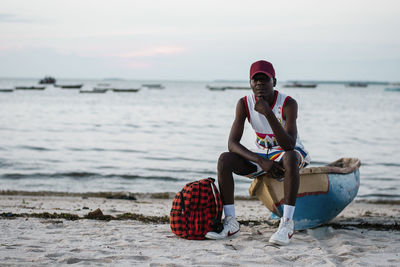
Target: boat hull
x=321, y=197
x=74, y=86
x=116, y=90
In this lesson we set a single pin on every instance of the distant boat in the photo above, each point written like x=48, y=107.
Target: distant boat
x=153, y=86
x=215, y=88
x=125, y=90
x=300, y=85
x=69, y=86
x=48, y=80
x=222, y=88
x=29, y=88
x=103, y=84
x=102, y=88
x=6, y=90
x=356, y=84
x=94, y=91
x=392, y=89
x=237, y=88
x=323, y=192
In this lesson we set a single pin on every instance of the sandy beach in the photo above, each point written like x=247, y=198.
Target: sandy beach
x=59, y=229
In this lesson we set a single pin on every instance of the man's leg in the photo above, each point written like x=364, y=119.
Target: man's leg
x=230, y=162
x=291, y=183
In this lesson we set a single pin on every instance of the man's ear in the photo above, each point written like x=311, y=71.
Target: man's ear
x=274, y=82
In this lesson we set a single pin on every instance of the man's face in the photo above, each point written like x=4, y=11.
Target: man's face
x=262, y=83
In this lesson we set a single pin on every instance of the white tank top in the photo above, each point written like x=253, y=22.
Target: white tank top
x=265, y=136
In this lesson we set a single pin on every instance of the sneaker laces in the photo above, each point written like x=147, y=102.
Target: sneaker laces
x=285, y=222
x=230, y=223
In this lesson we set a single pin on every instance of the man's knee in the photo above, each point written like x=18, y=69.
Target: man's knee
x=225, y=161
x=290, y=158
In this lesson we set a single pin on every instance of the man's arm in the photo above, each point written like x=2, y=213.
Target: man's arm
x=236, y=133
x=287, y=136
x=235, y=146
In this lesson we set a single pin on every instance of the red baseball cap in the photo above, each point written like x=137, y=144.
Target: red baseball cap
x=262, y=66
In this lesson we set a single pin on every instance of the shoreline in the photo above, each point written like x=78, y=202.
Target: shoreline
x=56, y=229
x=155, y=195
x=155, y=207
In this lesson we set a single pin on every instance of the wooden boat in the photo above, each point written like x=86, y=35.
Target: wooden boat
x=30, y=88
x=392, y=89
x=102, y=88
x=323, y=193
x=237, y=88
x=222, y=88
x=123, y=90
x=300, y=85
x=357, y=84
x=47, y=80
x=215, y=88
x=153, y=86
x=6, y=90
x=69, y=86
x=94, y=91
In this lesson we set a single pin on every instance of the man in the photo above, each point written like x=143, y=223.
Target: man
x=279, y=151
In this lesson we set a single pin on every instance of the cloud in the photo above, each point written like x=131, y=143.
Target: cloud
x=134, y=65
x=152, y=51
x=12, y=18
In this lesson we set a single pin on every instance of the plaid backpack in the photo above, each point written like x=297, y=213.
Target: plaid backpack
x=196, y=210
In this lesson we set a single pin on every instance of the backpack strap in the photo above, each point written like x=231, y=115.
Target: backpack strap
x=219, y=211
x=182, y=201
x=216, y=223
x=199, y=194
x=215, y=197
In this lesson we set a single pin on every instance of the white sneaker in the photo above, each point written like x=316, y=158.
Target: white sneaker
x=231, y=230
x=284, y=234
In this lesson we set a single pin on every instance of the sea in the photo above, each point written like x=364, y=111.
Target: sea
x=157, y=140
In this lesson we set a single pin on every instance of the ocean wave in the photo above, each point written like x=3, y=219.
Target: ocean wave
x=36, y=148
x=379, y=196
x=5, y=164
x=205, y=172
x=390, y=164
x=85, y=175
x=179, y=158
x=98, y=149
x=380, y=178
x=380, y=164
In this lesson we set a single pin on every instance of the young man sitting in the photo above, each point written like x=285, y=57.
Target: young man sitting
x=278, y=152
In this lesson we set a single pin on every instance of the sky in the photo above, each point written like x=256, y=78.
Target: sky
x=200, y=40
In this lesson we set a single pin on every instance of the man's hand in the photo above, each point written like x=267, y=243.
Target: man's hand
x=262, y=106
x=271, y=167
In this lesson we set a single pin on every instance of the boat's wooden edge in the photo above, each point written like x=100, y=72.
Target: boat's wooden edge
x=341, y=166
x=254, y=186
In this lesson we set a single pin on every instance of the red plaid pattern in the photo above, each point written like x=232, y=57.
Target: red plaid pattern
x=195, y=211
